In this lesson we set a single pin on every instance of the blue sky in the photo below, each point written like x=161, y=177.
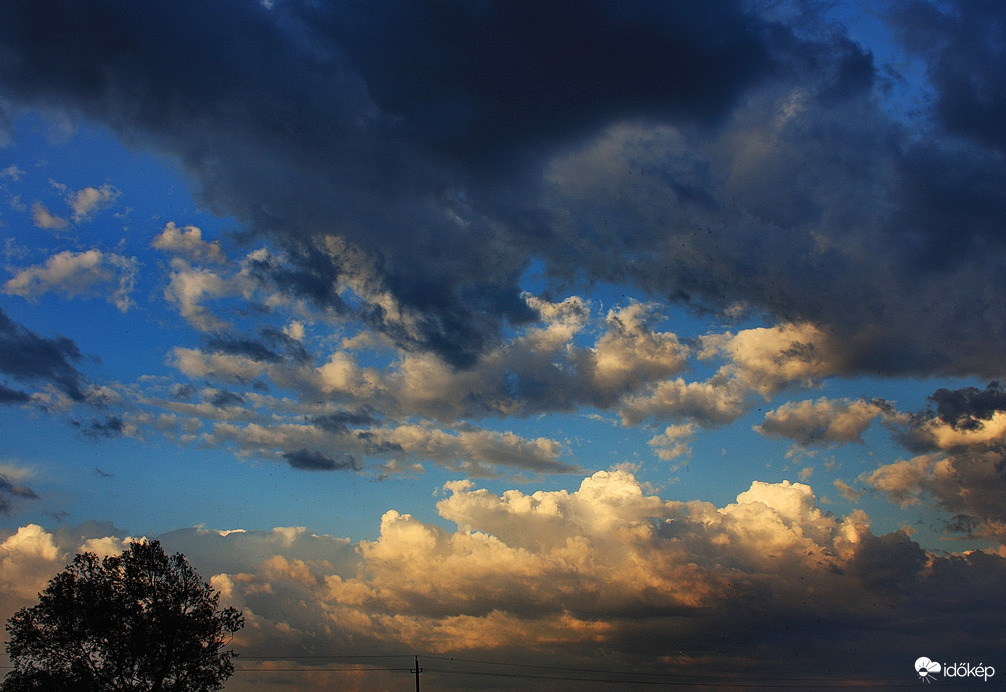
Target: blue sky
x=677, y=312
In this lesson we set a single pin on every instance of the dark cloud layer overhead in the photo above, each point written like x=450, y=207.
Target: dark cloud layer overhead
x=481, y=82
x=772, y=176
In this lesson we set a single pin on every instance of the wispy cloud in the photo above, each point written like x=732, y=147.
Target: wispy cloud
x=76, y=274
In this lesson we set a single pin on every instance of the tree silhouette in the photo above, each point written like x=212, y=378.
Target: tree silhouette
x=136, y=621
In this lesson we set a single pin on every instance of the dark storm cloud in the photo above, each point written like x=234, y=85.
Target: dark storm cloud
x=28, y=357
x=695, y=150
x=964, y=45
x=376, y=120
x=8, y=491
x=477, y=80
x=313, y=460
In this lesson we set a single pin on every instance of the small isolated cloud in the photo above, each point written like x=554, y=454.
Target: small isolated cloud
x=12, y=172
x=45, y=219
x=313, y=460
x=87, y=202
x=822, y=422
x=187, y=242
x=76, y=274
x=673, y=442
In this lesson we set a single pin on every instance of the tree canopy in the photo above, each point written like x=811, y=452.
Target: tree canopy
x=139, y=621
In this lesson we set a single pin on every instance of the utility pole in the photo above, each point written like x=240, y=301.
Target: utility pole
x=417, y=671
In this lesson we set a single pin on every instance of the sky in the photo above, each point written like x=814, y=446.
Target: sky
x=564, y=345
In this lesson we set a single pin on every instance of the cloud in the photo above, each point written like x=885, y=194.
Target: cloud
x=229, y=367
x=673, y=442
x=313, y=460
x=86, y=202
x=736, y=209
x=967, y=483
x=188, y=288
x=223, y=399
x=44, y=219
x=12, y=172
x=28, y=558
x=571, y=356
x=29, y=358
x=273, y=346
x=968, y=408
x=846, y=490
x=188, y=243
x=960, y=467
x=475, y=451
x=108, y=427
x=760, y=362
x=565, y=359
x=13, y=396
x=960, y=43
x=76, y=274
x=822, y=422
x=313, y=138
x=603, y=567
x=689, y=153
x=8, y=491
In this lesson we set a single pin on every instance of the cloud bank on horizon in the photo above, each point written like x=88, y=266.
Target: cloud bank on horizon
x=552, y=577
x=452, y=220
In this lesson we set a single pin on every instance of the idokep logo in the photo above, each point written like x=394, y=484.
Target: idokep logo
x=929, y=670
